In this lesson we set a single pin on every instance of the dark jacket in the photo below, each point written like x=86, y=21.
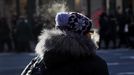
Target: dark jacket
x=23, y=31
x=66, y=53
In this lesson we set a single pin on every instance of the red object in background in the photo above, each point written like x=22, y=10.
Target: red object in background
x=95, y=16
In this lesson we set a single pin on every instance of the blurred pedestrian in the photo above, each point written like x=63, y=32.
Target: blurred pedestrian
x=112, y=30
x=5, y=36
x=23, y=35
x=131, y=33
x=13, y=31
x=104, y=30
x=123, y=29
x=68, y=49
x=128, y=14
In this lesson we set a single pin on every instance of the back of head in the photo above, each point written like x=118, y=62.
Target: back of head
x=69, y=37
x=73, y=21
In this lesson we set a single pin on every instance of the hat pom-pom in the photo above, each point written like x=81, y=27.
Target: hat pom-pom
x=62, y=19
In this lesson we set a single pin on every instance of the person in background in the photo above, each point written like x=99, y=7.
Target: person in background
x=112, y=30
x=5, y=36
x=68, y=49
x=13, y=31
x=104, y=30
x=23, y=35
x=122, y=21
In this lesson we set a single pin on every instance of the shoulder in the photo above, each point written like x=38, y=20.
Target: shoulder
x=101, y=67
x=95, y=60
x=99, y=59
x=96, y=65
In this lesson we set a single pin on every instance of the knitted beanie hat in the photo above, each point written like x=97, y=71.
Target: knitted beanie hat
x=73, y=21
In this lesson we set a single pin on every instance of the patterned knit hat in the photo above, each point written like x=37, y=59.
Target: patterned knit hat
x=73, y=21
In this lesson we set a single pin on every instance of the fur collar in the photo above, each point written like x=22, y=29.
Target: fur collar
x=59, y=41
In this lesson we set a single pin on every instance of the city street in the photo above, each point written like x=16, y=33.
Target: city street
x=120, y=61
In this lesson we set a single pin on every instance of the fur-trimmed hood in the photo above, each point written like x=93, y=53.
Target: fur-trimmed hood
x=57, y=46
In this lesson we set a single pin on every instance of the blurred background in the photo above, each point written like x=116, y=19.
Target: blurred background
x=21, y=22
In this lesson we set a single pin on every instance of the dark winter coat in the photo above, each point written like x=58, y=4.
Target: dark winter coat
x=23, y=31
x=66, y=53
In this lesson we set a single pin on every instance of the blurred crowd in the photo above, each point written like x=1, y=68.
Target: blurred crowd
x=19, y=35
x=116, y=30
